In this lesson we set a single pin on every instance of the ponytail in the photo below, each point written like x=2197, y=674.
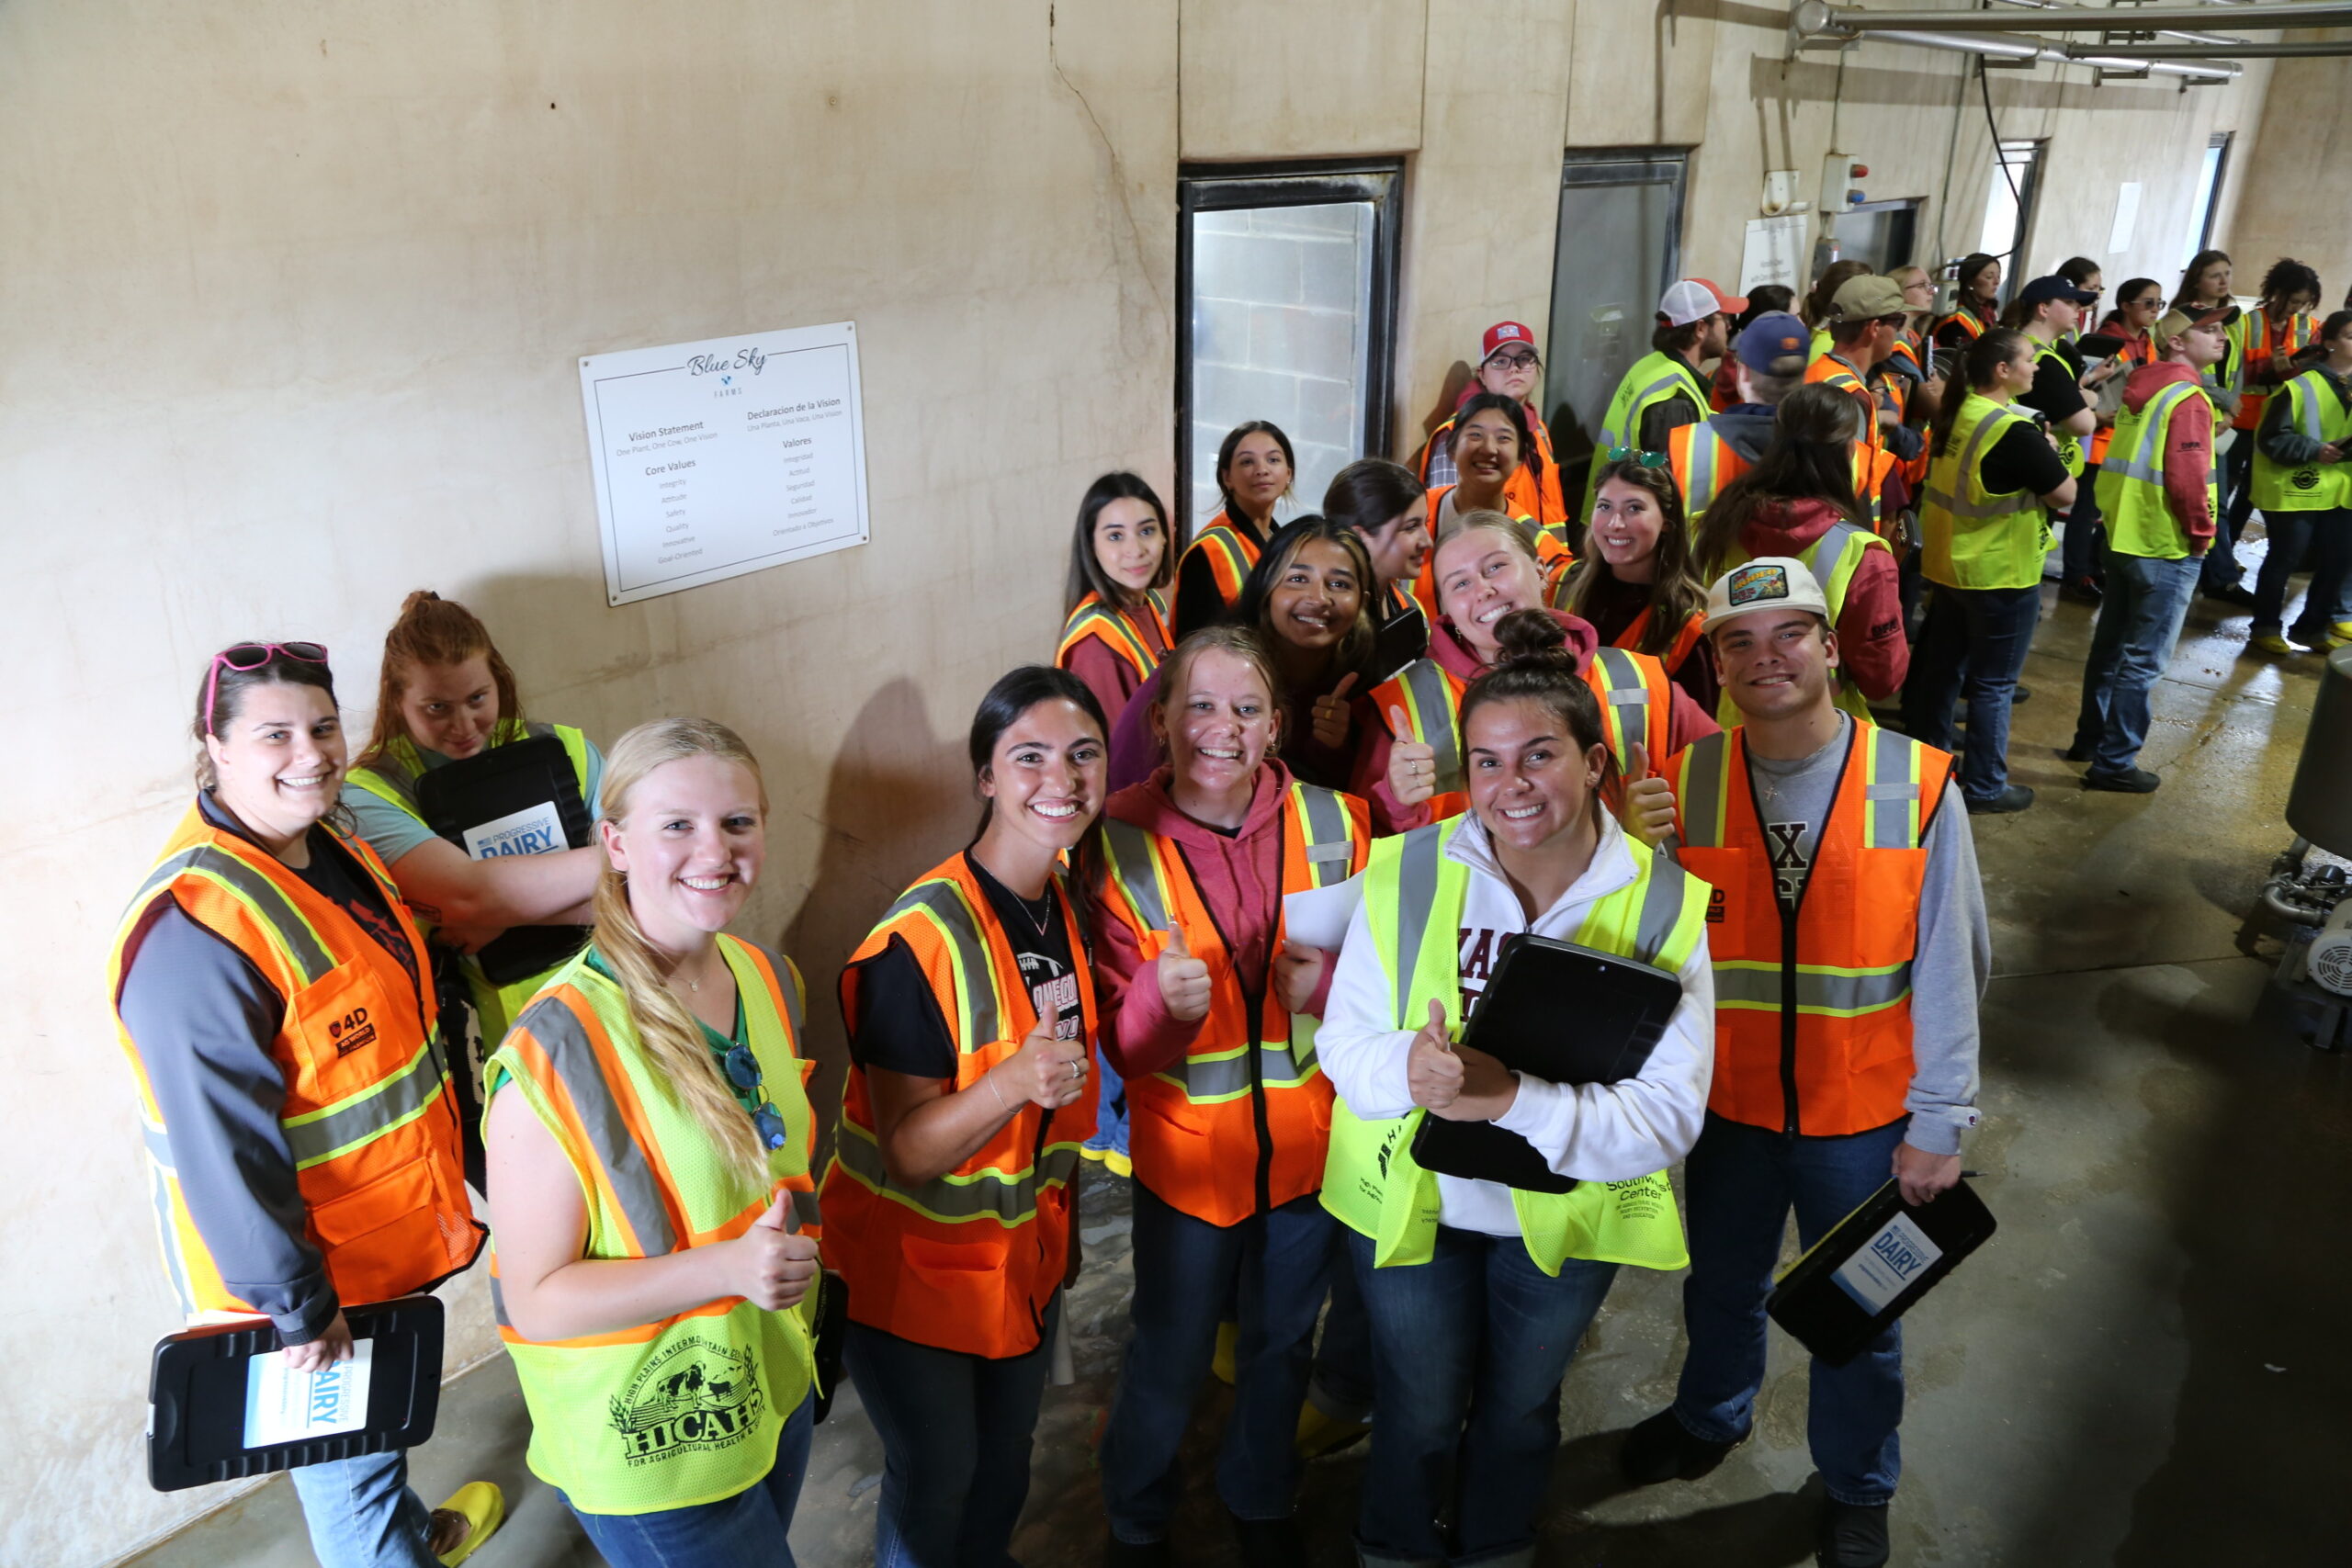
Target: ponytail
x=1985, y=356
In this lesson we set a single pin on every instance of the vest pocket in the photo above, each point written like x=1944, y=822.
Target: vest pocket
x=343, y=1040
x=387, y=1237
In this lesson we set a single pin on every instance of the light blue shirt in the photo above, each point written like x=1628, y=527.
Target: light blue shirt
x=393, y=830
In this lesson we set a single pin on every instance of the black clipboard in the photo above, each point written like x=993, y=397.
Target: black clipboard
x=1557, y=1012
x=1873, y=1267
x=195, y=1392
x=461, y=796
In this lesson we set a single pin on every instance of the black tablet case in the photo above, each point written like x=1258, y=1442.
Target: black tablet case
x=1557, y=1012
x=498, y=782
x=196, y=1392
x=1825, y=1317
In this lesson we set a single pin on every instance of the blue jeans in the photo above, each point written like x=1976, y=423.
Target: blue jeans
x=1737, y=1188
x=2080, y=545
x=1341, y=1386
x=2138, y=625
x=362, y=1514
x=2321, y=540
x=2221, y=569
x=1110, y=1108
x=747, y=1531
x=955, y=1431
x=1981, y=635
x=1186, y=1271
x=1468, y=1352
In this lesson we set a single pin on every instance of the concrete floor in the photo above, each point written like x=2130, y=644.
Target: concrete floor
x=2145, y=1366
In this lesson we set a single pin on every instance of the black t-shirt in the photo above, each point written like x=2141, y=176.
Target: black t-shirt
x=2021, y=459
x=334, y=875
x=2055, y=391
x=898, y=1024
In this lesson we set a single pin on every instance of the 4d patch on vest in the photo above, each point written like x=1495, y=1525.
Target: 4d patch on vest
x=694, y=1398
x=351, y=1031
x=1758, y=583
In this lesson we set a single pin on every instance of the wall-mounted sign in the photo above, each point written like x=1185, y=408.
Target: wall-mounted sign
x=716, y=459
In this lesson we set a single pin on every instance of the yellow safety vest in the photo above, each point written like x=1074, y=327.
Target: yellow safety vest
x=1833, y=559
x=1415, y=892
x=2070, y=447
x=686, y=1410
x=2319, y=414
x=1655, y=377
x=1973, y=537
x=2132, y=480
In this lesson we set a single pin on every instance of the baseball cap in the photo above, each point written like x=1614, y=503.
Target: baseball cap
x=2055, y=287
x=1692, y=300
x=1768, y=582
x=1502, y=334
x=1774, y=343
x=2179, y=321
x=1867, y=297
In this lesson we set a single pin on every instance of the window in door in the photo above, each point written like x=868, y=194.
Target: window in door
x=1288, y=275
x=1620, y=241
x=2208, y=186
x=1879, y=232
x=2008, y=209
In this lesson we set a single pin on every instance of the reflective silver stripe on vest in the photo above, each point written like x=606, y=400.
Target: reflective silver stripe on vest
x=1326, y=821
x=1986, y=430
x=277, y=911
x=805, y=1210
x=1702, y=803
x=1829, y=550
x=944, y=901
x=1128, y=848
x=1890, y=791
x=565, y=1039
x=1672, y=382
x=1701, y=490
x=1661, y=908
x=1626, y=696
x=2145, y=461
x=1010, y=1199
x=1433, y=707
x=322, y=1135
x=1416, y=856
x=1228, y=1077
x=1849, y=992
x=2304, y=405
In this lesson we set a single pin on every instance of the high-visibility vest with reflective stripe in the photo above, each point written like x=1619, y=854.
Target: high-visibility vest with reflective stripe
x=2070, y=445
x=1637, y=705
x=1833, y=559
x=2131, y=481
x=1972, y=538
x=1899, y=389
x=1118, y=628
x=2318, y=414
x=1812, y=1009
x=1685, y=641
x=369, y=1116
x=1538, y=497
x=1703, y=463
x=1238, y=1124
x=1972, y=325
x=1819, y=345
x=968, y=1260
x=1655, y=377
x=1872, y=461
x=1232, y=549
x=687, y=1409
x=2256, y=337
x=393, y=777
x=1413, y=893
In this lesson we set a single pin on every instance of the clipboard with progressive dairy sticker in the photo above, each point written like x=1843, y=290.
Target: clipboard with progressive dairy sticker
x=223, y=1405
x=522, y=798
x=1873, y=1267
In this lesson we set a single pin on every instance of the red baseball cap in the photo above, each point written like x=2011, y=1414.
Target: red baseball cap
x=1501, y=335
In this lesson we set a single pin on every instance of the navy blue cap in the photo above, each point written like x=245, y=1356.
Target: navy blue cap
x=1774, y=339
x=2055, y=287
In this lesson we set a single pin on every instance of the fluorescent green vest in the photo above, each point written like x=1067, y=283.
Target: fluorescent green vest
x=1973, y=538
x=1833, y=559
x=2070, y=447
x=1371, y=1182
x=2318, y=413
x=687, y=1410
x=393, y=777
x=2132, y=480
x=1655, y=377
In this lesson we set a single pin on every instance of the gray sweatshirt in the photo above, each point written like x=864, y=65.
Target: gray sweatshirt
x=1955, y=955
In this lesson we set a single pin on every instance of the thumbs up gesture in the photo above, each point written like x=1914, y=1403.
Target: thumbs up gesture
x=1648, y=812
x=773, y=1264
x=1431, y=1069
x=1183, y=979
x=1412, y=765
x=1331, y=714
x=1298, y=969
x=1048, y=1071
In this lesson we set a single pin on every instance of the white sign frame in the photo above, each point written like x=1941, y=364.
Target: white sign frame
x=1772, y=252
x=710, y=457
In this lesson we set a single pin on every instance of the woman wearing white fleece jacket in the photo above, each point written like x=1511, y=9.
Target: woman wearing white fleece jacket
x=1480, y=1293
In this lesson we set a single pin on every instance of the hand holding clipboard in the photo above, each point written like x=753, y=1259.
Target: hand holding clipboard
x=1457, y=1083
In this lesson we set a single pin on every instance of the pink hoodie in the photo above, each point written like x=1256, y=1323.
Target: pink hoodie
x=2188, y=449
x=1239, y=878
x=1870, y=644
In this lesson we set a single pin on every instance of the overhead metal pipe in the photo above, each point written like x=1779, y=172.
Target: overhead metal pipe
x=2027, y=50
x=1819, y=16
x=2279, y=49
x=2211, y=41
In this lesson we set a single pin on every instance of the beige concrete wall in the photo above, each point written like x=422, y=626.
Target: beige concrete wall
x=2291, y=201
x=291, y=297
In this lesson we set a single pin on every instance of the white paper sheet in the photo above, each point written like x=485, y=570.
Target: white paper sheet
x=287, y=1406
x=533, y=830
x=1319, y=916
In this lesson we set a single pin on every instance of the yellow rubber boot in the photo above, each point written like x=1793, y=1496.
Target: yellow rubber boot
x=1228, y=1339
x=483, y=1508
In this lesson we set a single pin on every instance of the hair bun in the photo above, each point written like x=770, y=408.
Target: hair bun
x=1531, y=640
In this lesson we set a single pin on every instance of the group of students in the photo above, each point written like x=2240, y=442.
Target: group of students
x=1647, y=728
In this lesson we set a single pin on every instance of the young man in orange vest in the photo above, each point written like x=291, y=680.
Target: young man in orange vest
x=1827, y=1084
x=1866, y=319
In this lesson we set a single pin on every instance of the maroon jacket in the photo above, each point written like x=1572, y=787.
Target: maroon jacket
x=1870, y=644
x=2188, y=449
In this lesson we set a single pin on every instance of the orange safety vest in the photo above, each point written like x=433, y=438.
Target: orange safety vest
x=1232, y=549
x=1242, y=1123
x=1872, y=461
x=969, y=1260
x=1637, y=705
x=1553, y=556
x=1540, y=500
x=1679, y=650
x=1899, y=388
x=371, y=1116
x=1812, y=1009
x=1703, y=463
x=2265, y=337
x=1972, y=325
x=1119, y=629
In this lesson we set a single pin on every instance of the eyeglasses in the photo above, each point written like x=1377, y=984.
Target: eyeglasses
x=247, y=657
x=1524, y=360
x=1635, y=455
x=744, y=1071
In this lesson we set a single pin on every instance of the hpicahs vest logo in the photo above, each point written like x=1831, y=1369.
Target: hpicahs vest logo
x=693, y=1396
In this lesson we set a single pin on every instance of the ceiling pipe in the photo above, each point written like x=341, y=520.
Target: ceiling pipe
x=2283, y=48
x=2026, y=50
x=1818, y=16
x=2211, y=41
